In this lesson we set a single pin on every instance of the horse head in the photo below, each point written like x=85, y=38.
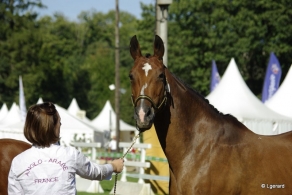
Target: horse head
x=148, y=83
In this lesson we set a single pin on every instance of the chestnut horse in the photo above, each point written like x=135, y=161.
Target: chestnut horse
x=208, y=152
x=9, y=148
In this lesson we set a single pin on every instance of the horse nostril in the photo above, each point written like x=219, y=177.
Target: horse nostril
x=148, y=112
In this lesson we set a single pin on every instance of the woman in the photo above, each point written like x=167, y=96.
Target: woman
x=47, y=167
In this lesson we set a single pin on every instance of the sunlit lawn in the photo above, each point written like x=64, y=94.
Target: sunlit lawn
x=107, y=186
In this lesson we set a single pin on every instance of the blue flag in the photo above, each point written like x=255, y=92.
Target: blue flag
x=272, y=78
x=215, y=77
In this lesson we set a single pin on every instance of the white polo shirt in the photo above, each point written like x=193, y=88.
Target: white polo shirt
x=52, y=170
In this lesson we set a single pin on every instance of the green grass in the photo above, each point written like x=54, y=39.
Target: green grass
x=107, y=186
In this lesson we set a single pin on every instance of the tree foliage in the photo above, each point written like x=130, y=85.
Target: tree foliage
x=220, y=30
x=60, y=59
x=18, y=45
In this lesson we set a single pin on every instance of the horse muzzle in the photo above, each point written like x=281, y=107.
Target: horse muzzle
x=144, y=117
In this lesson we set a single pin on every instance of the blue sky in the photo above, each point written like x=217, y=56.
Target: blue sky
x=72, y=8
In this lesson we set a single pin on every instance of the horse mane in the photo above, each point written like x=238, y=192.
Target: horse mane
x=189, y=88
x=186, y=86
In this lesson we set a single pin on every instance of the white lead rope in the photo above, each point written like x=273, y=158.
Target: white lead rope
x=116, y=176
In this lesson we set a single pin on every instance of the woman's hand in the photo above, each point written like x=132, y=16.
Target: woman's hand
x=118, y=165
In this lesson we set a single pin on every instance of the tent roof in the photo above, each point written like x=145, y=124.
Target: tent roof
x=3, y=111
x=281, y=101
x=232, y=96
x=40, y=100
x=73, y=107
x=69, y=119
x=13, y=116
x=73, y=124
x=70, y=124
x=106, y=120
x=75, y=110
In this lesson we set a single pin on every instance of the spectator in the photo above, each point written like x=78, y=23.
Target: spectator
x=48, y=168
x=112, y=147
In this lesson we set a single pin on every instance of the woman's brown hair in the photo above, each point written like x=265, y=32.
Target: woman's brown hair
x=42, y=124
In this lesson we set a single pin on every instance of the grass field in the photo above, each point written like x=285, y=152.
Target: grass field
x=107, y=186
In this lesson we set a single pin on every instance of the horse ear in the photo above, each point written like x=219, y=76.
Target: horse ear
x=158, y=47
x=135, y=48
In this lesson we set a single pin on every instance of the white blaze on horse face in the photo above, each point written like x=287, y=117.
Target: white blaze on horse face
x=143, y=88
x=146, y=68
x=141, y=111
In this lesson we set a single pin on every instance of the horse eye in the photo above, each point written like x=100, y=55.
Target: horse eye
x=161, y=76
x=131, y=77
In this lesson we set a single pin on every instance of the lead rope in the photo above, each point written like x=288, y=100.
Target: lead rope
x=116, y=176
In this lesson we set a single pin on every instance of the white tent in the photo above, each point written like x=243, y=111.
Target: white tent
x=75, y=110
x=106, y=121
x=40, y=100
x=12, y=117
x=281, y=102
x=232, y=96
x=3, y=111
x=73, y=107
x=72, y=129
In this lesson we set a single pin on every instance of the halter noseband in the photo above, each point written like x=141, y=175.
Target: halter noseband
x=156, y=107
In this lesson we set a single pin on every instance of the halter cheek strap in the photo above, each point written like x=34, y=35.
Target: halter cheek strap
x=156, y=107
x=145, y=97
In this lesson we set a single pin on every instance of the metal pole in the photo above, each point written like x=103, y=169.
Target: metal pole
x=163, y=30
x=117, y=75
x=157, y=15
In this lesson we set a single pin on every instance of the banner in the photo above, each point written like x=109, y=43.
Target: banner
x=215, y=77
x=21, y=100
x=272, y=78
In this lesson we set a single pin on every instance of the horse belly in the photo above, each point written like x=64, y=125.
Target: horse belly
x=230, y=179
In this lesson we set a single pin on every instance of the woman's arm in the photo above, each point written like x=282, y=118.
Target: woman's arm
x=90, y=170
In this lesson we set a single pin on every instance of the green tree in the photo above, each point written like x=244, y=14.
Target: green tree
x=18, y=45
x=220, y=30
x=61, y=58
x=100, y=59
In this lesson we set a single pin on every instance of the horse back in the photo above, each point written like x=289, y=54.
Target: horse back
x=9, y=148
x=258, y=164
x=284, y=136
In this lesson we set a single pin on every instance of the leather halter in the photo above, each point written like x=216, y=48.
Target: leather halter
x=145, y=97
x=156, y=107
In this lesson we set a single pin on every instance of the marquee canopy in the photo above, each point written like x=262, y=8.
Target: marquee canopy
x=232, y=96
x=281, y=101
x=72, y=128
x=106, y=121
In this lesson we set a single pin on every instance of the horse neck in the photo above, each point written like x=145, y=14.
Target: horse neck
x=184, y=123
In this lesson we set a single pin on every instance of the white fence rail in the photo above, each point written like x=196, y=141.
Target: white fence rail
x=141, y=165
x=91, y=186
